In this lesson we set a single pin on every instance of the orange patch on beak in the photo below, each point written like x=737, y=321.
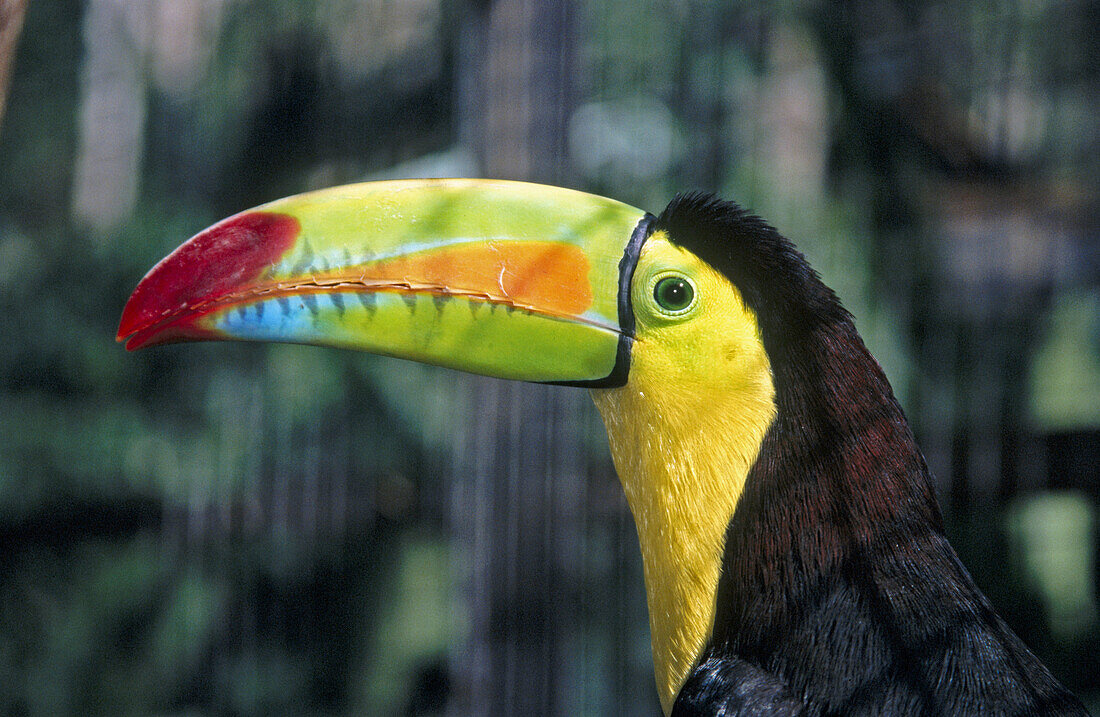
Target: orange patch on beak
x=550, y=277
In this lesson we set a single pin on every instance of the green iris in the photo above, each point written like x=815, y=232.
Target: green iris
x=674, y=293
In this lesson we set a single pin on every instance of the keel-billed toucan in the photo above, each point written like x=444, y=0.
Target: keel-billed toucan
x=794, y=555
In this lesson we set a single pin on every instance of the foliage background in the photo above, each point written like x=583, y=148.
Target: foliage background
x=235, y=529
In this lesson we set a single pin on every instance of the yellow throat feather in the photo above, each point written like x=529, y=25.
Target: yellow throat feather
x=684, y=432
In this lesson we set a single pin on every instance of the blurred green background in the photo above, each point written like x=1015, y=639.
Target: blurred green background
x=248, y=530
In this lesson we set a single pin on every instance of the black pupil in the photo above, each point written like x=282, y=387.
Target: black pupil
x=673, y=293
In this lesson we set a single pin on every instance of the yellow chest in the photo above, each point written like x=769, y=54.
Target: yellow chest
x=682, y=456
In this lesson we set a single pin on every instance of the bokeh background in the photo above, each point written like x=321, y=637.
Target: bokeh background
x=247, y=530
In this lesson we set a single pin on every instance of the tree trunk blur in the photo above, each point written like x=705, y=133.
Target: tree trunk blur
x=11, y=22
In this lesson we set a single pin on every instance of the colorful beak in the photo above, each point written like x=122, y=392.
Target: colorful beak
x=504, y=279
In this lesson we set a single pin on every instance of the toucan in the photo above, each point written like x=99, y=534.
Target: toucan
x=793, y=550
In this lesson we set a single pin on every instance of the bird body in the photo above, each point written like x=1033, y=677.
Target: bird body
x=794, y=554
x=839, y=593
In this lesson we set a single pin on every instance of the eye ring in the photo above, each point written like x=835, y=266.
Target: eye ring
x=674, y=294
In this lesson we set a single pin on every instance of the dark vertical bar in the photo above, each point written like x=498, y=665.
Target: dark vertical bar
x=519, y=467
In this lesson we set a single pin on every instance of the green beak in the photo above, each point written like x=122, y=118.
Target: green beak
x=504, y=279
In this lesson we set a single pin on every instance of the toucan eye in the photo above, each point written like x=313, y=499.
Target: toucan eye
x=674, y=293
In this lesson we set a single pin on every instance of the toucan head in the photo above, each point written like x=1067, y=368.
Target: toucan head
x=526, y=282
x=505, y=279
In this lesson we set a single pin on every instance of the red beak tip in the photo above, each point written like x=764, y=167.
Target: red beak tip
x=213, y=262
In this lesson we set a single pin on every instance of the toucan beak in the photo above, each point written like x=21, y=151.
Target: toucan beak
x=504, y=279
